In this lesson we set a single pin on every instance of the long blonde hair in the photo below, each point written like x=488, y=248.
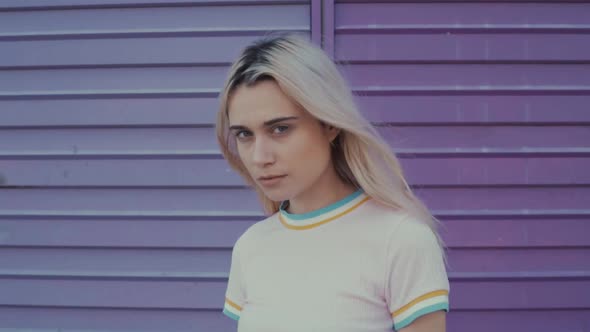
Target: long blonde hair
x=310, y=79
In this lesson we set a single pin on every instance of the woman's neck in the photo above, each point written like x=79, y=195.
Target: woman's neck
x=321, y=194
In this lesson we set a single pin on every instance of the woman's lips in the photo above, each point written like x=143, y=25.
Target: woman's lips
x=271, y=181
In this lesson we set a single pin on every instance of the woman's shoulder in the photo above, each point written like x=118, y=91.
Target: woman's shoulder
x=381, y=213
x=399, y=224
x=257, y=230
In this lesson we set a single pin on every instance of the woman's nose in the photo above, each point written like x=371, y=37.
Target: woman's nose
x=262, y=153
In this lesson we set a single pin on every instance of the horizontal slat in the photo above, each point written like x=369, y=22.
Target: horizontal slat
x=216, y=172
x=512, y=232
x=521, y=294
x=109, y=112
x=525, y=294
x=147, y=262
x=125, y=233
x=437, y=153
x=110, y=139
x=161, y=276
x=511, y=90
x=485, y=213
x=463, y=47
x=519, y=260
x=205, y=201
x=98, y=94
x=117, y=320
x=143, y=33
x=472, y=233
x=70, y=4
x=207, y=18
x=135, y=140
x=491, y=198
x=193, y=78
x=519, y=320
x=167, y=263
x=401, y=110
x=457, y=13
x=454, y=78
x=461, y=75
x=189, y=173
x=496, y=171
x=172, y=201
x=161, y=294
x=124, y=51
x=476, y=109
x=463, y=28
x=77, y=319
x=485, y=136
x=465, y=90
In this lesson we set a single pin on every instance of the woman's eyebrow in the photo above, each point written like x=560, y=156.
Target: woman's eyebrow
x=277, y=120
x=267, y=123
x=238, y=127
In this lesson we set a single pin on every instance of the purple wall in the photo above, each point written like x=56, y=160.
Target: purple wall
x=114, y=211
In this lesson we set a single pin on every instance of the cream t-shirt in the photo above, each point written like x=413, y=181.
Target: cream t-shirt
x=355, y=265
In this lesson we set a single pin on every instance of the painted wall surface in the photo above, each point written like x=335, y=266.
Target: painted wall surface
x=117, y=212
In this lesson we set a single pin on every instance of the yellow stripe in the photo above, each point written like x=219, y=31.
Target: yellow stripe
x=231, y=303
x=325, y=220
x=421, y=298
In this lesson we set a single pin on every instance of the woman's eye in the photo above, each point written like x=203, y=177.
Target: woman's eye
x=280, y=129
x=241, y=134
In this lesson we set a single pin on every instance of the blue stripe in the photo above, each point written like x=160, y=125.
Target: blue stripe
x=331, y=207
x=231, y=314
x=421, y=312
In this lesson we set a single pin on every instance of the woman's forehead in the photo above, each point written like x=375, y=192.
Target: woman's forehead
x=262, y=119
x=254, y=105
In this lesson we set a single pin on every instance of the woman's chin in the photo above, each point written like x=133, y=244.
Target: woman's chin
x=276, y=194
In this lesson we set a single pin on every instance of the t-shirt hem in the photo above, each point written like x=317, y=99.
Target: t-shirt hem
x=230, y=314
x=426, y=310
x=231, y=309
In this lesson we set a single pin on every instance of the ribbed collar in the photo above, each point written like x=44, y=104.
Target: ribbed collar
x=324, y=215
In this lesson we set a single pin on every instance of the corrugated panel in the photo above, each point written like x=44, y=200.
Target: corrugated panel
x=111, y=180
x=113, y=187
x=487, y=103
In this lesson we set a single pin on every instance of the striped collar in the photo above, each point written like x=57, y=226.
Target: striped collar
x=324, y=215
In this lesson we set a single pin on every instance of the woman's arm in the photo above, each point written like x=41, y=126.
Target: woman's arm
x=432, y=322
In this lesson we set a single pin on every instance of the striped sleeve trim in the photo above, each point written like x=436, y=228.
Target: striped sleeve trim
x=425, y=304
x=231, y=309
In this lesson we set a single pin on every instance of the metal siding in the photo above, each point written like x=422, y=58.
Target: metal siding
x=487, y=105
x=112, y=183
x=113, y=210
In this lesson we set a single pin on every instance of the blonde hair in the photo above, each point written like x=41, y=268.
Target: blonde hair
x=311, y=80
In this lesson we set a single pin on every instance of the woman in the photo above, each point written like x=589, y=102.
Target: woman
x=347, y=246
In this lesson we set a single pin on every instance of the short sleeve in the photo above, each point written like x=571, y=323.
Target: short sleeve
x=235, y=295
x=416, y=280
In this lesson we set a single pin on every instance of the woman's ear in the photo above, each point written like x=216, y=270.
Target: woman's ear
x=332, y=133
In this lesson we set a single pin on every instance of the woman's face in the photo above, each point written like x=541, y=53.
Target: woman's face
x=275, y=138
